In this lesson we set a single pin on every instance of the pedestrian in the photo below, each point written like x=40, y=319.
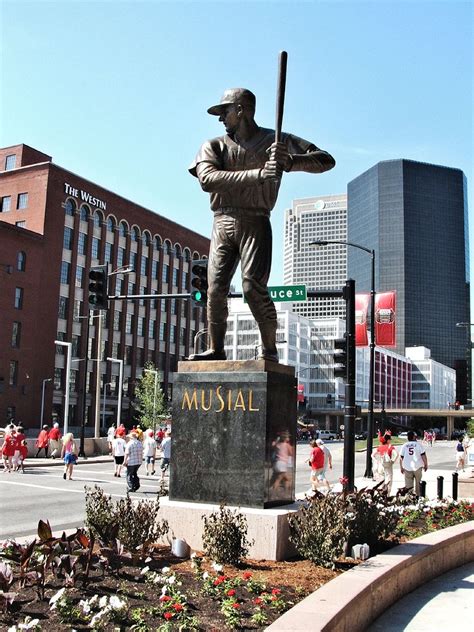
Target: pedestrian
x=316, y=462
x=23, y=455
x=118, y=451
x=385, y=456
x=149, y=452
x=8, y=448
x=54, y=437
x=460, y=455
x=69, y=455
x=160, y=435
x=110, y=437
x=165, y=453
x=133, y=460
x=19, y=438
x=242, y=172
x=42, y=441
x=413, y=461
x=327, y=457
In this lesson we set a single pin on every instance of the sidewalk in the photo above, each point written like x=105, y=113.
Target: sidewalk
x=49, y=462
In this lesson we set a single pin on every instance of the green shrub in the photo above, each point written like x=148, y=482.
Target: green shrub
x=135, y=524
x=225, y=536
x=319, y=531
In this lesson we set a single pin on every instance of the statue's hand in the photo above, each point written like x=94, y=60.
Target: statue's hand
x=271, y=171
x=279, y=152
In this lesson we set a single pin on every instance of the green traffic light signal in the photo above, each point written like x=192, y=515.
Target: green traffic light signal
x=199, y=282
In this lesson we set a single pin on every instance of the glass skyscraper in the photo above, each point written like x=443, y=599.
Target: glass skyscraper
x=414, y=215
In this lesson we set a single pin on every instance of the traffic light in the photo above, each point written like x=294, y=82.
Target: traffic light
x=98, y=287
x=199, y=282
x=340, y=357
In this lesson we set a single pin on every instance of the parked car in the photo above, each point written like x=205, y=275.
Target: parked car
x=326, y=435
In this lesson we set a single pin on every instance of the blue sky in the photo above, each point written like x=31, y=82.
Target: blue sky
x=117, y=92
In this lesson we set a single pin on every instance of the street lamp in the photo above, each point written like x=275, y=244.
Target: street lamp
x=48, y=379
x=119, y=400
x=155, y=373
x=68, y=346
x=103, y=404
x=370, y=415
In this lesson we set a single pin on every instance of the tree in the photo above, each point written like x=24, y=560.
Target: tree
x=149, y=410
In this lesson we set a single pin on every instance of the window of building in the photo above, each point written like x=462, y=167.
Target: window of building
x=134, y=234
x=128, y=355
x=97, y=219
x=65, y=271
x=13, y=379
x=129, y=324
x=10, y=162
x=110, y=225
x=142, y=291
x=121, y=257
x=175, y=277
x=95, y=247
x=6, y=203
x=143, y=266
x=82, y=244
x=162, y=331
x=21, y=261
x=18, y=298
x=76, y=346
x=119, y=286
x=79, y=276
x=151, y=328
x=84, y=213
x=22, y=201
x=173, y=333
x=67, y=239
x=133, y=261
x=154, y=269
x=140, y=325
x=69, y=207
x=123, y=229
x=62, y=308
x=21, y=224
x=58, y=376
x=117, y=320
x=16, y=334
x=108, y=252
x=166, y=273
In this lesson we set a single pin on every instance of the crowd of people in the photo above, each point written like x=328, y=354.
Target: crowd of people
x=129, y=450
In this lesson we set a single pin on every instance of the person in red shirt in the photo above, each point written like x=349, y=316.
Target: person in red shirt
x=42, y=441
x=54, y=436
x=383, y=458
x=316, y=461
x=19, y=437
x=8, y=448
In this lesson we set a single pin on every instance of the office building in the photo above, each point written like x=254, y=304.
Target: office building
x=414, y=215
x=433, y=384
x=55, y=225
x=323, y=217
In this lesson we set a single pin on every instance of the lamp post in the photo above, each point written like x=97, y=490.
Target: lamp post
x=103, y=403
x=370, y=415
x=119, y=399
x=48, y=379
x=155, y=373
x=68, y=346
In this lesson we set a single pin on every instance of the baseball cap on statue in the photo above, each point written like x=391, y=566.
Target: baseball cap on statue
x=232, y=96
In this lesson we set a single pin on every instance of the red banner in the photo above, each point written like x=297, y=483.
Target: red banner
x=385, y=334
x=361, y=308
x=300, y=396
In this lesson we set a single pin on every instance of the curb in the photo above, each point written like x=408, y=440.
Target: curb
x=59, y=462
x=352, y=601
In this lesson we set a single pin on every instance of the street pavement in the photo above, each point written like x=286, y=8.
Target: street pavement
x=41, y=493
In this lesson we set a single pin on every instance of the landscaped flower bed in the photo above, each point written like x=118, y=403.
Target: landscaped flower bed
x=92, y=580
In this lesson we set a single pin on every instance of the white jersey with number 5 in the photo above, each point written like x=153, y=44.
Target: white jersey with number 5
x=411, y=454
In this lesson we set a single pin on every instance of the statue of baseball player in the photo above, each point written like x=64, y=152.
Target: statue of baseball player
x=242, y=172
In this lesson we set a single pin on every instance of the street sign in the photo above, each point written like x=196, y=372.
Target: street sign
x=287, y=293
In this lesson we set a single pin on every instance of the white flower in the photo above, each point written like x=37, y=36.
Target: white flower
x=103, y=601
x=164, y=590
x=205, y=575
x=116, y=603
x=54, y=598
x=148, y=559
x=144, y=570
x=193, y=555
x=217, y=567
x=85, y=606
x=165, y=569
x=93, y=600
x=171, y=579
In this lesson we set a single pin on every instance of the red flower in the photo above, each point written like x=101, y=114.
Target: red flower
x=168, y=615
x=178, y=607
x=165, y=598
x=276, y=591
x=236, y=605
x=344, y=480
x=247, y=575
x=230, y=592
x=258, y=601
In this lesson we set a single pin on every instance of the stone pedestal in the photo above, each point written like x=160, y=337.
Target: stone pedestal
x=466, y=486
x=234, y=433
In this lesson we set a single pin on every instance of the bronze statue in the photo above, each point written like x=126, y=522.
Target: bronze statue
x=242, y=172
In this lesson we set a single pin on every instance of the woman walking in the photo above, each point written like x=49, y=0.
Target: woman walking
x=118, y=451
x=383, y=457
x=149, y=451
x=69, y=455
x=42, y=441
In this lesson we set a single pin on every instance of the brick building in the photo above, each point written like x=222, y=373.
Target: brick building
x=55, y=225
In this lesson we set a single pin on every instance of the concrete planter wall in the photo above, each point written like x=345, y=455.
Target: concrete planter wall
x=350, y=602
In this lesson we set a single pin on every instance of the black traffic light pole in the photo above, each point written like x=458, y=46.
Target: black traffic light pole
x=349, y=404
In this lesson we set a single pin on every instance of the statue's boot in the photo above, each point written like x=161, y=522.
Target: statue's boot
x=268, y=335
x=216, y=349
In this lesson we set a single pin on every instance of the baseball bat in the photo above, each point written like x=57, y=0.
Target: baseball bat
x=280, y=101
